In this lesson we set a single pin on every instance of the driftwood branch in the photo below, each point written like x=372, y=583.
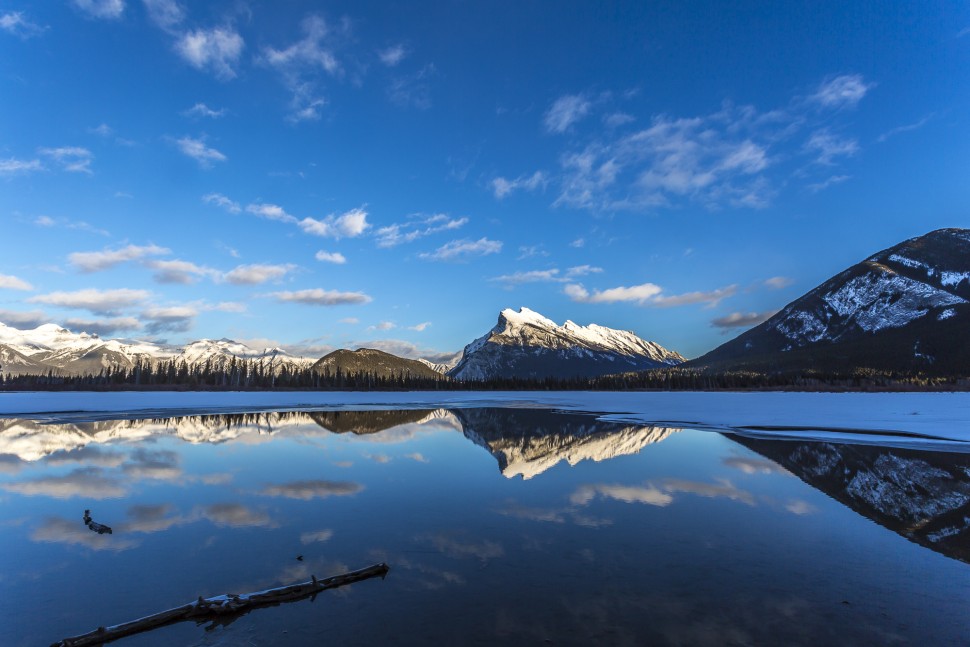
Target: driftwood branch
x=222, y=607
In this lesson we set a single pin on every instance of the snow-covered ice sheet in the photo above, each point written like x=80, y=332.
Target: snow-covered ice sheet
x=934, y=415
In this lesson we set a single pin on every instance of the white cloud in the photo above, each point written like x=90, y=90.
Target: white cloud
x=617, y=119
x=711, y=298
x=331, y=257
x=384, y=325
x=903, y=129
x=217, y=50
x=202, y=110
x=532, y=276
x=582, y=270
x=417, y=227
x=14, y=22
x=107, y=9
x=351, y=224
x=640, y=294
x=180, y=272
x=778, y=282
x=13, y=166
x=458, y=250
x=71, y=158
x=832, y=180
x=97, y=261
x=79, y=225
x=300, y=64
x=844, y=91
x=578, y=243
x=502, y=186
x=257, y=274
x=197, y=150
x=349, y=320
x=9, y=282
x=742, y=319
x=220, y=200
x=646, y=294
x=828, y=146
x=320, y=297
x=102, y=130
x=529, y=251
x=164, y=13
x=566, y=111
x=421, y=327
x=392, y=55
x=412, y=90
x=271, y=212
x=102, y=302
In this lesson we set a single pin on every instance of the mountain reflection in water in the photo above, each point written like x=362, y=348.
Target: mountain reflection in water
x=574, y=529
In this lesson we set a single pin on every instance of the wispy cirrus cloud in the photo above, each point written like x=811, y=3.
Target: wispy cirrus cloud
x=14, y=166
x=164, y=13
x=565, y=111
x=101, y=302
x=737, y=157
x=199, y=151
x=463, y=250
x=546, y=276
x=97, y=261
x=10, y=282
x=73, y=159
x=647, y=294
x=393, y=55
x=321, y=297
x=302, y=64
x=222, y=201
x=417, y=227
x=103, y=9
x=844, y=91
x=503, y=187
x=202, y=110
x=742, y=319
x=17, y=23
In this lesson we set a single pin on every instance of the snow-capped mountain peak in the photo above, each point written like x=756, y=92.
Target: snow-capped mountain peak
x=526, y=344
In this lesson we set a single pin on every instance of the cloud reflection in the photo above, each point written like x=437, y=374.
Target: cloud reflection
x=313, y=489
x=626, y=493
x=316, y=537
x=750, y=465
x=63, y=531
x=86, y=482
x=236, y=515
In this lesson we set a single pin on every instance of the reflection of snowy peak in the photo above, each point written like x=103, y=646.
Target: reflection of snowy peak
x=525, y=344
x=924, y=496
x=905, y=308
x=527, y=443
x=52, y=348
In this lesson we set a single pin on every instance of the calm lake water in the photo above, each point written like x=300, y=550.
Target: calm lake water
x=512, y=526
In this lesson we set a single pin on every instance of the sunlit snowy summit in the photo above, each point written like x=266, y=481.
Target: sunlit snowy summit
x=525, y=344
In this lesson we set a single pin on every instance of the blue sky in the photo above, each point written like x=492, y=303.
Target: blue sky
x=323, y=175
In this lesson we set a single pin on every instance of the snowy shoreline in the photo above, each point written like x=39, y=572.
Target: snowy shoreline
x=934, y=415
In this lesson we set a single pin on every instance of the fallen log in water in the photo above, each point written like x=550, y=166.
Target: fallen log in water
x=222, y=606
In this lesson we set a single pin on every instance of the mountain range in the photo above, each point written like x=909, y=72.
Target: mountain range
x=904, y=309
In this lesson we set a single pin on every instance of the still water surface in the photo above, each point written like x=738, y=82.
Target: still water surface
x=518, y=526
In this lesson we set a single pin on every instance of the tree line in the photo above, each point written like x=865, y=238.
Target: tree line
x=241, y=374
